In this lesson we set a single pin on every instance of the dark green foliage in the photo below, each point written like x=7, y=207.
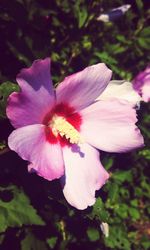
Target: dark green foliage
x=33, y=212
x=6, y=89
x=15, y=209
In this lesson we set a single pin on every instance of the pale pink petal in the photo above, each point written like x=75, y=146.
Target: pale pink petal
x=31, y=144
x=146, y=92
x=36, y=97
x=121, y=90
x=84, y=174
x=110, y=126
x=82, y=88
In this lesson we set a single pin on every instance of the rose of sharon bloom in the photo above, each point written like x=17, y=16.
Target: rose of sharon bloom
x=60, y=131
x=142, y=84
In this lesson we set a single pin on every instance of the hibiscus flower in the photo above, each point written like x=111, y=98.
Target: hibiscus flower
x=59, y=131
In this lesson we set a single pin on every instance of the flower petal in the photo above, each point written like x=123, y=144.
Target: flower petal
x=31, y=144
x=36, y=97
x=110, y=126
x=82, y=88
x=84, y=174
x=141, y=84
x=121, y=90
x=146, y=92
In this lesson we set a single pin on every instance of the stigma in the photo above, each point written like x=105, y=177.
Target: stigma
x=61, y=126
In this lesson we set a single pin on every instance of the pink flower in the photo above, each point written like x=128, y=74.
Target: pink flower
x=60, y=131
x=141, y=84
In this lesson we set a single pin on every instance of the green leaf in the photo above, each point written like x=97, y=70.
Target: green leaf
x=113, y=192
x=145, y=185
x=123, y=39
x=122, y=176
x=139, y=4
x=52, y=242
x=18, y=211
x=82, y=16
x=106, y=58
x=122, y=211
x=3, y=223
x=145, y=153
x=145, y=32
x=144, y=42
x=138, y=191
x=6, y=89
x=118, y=238
x=30, y=242
x=93, y=234
x=134, y=203
x=108, y=162
x=117, y=48
x=55, y=57
x=125, y=194
x=99, y=210
x=86, y=43
x=134, y=213
x=145, y=242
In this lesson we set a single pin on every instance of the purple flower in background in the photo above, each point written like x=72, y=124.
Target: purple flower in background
x=60, y=131
x=141, y=84
x=114, y=14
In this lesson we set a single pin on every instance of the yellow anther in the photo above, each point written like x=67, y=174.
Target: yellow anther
x=61, y=126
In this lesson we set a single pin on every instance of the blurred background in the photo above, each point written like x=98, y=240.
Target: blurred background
x=33, y=212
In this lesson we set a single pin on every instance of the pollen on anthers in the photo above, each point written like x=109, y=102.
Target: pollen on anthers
x=60, y=125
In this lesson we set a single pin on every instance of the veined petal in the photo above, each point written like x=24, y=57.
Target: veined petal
x=82, y=88
x=84, y=174
x=36, y=97
x=30, y=143
x=110, y=126
x=121, y=90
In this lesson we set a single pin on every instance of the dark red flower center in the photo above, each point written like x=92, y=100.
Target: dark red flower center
x=70, y=120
